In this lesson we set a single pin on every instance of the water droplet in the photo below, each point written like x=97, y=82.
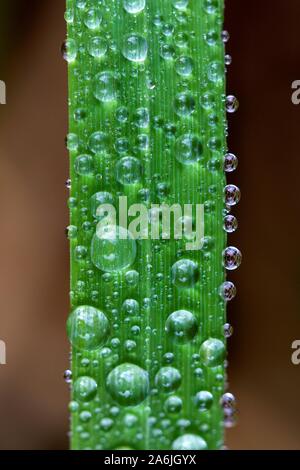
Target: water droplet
x=168, y=379
x=189, y=149
x=92, y=19
x=204, y=400
x=211, y=6
x=225, y=36
x=189, y=442
x=69, y=50
x=88, y=328
x=232, y=104
x=134, y=6
x=98, y=142
x=215, y=72
x=232, y=258
x=97, y=47
x=113, y=248
x=228, y=330
x=184, y=66
x=230, y=223
x=167, y=52
x=142, y=118
x=128, y=170
x=212, y=352
x=185, y=273
x=227, y=291
x=72, y=142
x=228, y=59
x=180, y=4
x=135, y=48
x=132, y=278
x=130, y=307
x=84, y=165
x=184, y=104
x=68, y=376
x=173, y=404
x=230, y=162
x=85, y=388
x=128, y=384
x=99, y=199
x=182, y=325
x=232, y=195
x=105, y=87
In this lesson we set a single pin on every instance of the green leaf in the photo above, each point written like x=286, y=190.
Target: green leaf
x=147, y=123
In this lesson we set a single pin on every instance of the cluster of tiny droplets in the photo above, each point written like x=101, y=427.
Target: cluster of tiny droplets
x=121, y=374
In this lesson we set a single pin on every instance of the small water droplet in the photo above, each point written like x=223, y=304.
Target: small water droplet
x=232, y=104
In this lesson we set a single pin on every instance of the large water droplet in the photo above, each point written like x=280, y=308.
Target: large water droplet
x=189, y=442
x=232, y=258
x=204, y=400
x=92, y=18
x=184, y=104
x=105, y=87
x=135, y=48
x=87, y=328
x=97, y=47
x=85, y=388
x=182, y=325
x=128, y=384
x=168, y=379
x=134, y=6
x=189, y=149
x=212, y=352
x=227, y=291
x=99, y=199
x=84, y=165
x=184, y=66
x=128, y=170
x=113, y=248
x=232, y=195
x=185, y=273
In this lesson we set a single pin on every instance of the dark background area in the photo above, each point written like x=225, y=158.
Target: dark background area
x=265, y=45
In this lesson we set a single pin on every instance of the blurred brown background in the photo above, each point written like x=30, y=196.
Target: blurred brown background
x=265, y=45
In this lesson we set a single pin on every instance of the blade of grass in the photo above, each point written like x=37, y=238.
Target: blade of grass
x=147, y=121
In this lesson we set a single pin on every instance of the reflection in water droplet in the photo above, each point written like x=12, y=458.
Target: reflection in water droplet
x=87, y=327
x=135, y=48
x=189, y=442
x=113, y=248
x=105, y=87
x=227, y=291
x=189, y=149
x=212, y=352
x=182, y=325
x=128, y=384
x=232, y=258
x=134, y=6
x=128, y=170
x=85, y=388
x=185, y=273
x=168, y=379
